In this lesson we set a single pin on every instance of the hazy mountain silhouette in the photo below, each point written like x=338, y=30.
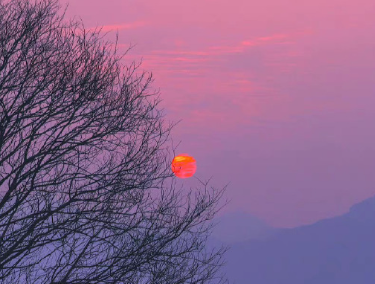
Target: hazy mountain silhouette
x=338, y=250
x=240, y=226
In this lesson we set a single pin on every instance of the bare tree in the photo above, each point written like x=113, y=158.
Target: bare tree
x=84, y=165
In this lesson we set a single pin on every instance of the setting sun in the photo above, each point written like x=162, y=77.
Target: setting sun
x=184, y=166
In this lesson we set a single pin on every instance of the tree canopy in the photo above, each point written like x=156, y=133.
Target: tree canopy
x=84, y=164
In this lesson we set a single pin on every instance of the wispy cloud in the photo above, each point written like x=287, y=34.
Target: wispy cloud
x=127, y=26
x=276, y=39
x=284, y=38
x=172, y=52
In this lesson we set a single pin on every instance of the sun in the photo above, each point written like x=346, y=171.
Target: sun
x=184, y=166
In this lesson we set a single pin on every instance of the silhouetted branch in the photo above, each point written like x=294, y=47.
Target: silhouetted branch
x=81, y=151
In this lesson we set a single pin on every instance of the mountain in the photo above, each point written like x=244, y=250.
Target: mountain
x=240, y=226
x=339, y=250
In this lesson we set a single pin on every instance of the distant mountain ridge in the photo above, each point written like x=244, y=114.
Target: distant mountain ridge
x=339, y=250
x=240, y=226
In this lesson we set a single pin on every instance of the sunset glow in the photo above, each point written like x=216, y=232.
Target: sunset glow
x=184, y=166
x=275, y=97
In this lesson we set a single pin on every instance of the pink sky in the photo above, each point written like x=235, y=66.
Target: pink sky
x=276, y=97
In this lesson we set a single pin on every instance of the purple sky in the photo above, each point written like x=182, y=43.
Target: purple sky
x=276, y=97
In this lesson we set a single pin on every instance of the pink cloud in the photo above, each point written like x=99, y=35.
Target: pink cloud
x=186, y=59
x=276, y=38
x=172, y=52
x=273, y=37
x=128, y=26
x=248, y=43
x=226, y=49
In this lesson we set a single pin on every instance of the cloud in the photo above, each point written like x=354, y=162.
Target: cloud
x=172, y=52
x=218, y=50
x=276, y=38
x=221, y=49
x=272, y=39
x=127, y=26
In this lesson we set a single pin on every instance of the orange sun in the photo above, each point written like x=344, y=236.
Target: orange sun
x=184, y=166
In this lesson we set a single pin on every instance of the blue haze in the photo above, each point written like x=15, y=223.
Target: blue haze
x=339, y=250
